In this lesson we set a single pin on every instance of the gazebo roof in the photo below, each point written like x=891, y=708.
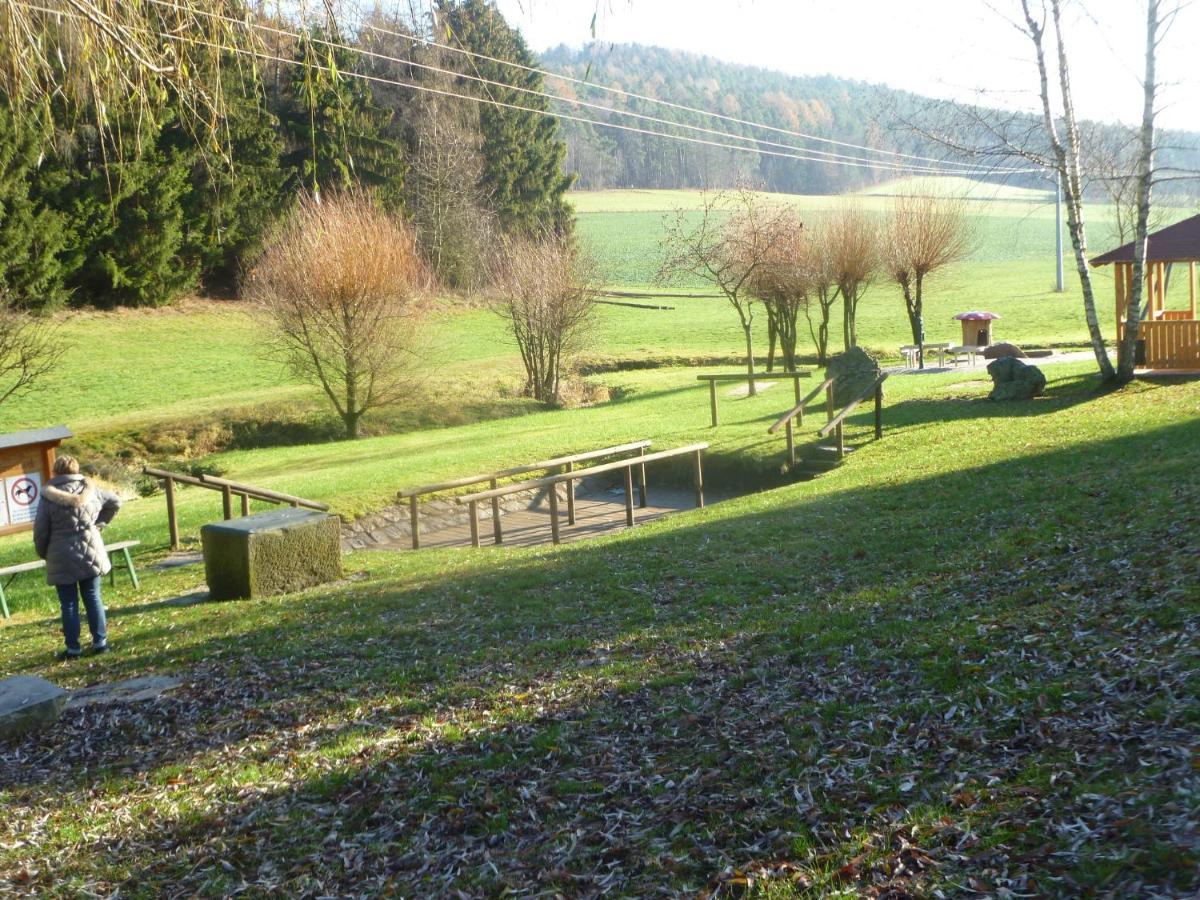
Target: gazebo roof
x=1175, y=243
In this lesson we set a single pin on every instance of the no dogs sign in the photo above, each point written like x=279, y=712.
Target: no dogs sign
x=21, y=496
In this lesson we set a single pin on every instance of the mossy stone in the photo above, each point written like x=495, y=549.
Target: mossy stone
x=270, y=553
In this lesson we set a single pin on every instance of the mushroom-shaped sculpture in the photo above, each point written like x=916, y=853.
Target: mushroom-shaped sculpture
x=976, y=327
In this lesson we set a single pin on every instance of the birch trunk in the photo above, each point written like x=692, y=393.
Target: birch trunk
x=1145, y=182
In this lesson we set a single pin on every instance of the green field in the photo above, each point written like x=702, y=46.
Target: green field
x=962, y=664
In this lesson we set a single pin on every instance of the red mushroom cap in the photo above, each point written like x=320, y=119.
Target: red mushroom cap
x=976, y=316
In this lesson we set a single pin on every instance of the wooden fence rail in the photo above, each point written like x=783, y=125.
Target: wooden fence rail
x=552, y=481
x=227, y=489
x=493, y=478
x=749, y=379
x=835, y=424
x=796, y=413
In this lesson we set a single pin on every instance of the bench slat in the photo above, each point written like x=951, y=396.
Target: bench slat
x=23, y=567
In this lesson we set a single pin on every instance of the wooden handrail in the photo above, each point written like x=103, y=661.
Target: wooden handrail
x=849, y=407
x=553, y=480
x=262, y=493
x=758, y=376
x=569, y=476
x=174, y=476
x=521, y=470
x=228, y=490
x=799, y=407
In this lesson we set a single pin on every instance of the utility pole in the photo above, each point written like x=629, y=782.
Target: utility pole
x=1058, y=243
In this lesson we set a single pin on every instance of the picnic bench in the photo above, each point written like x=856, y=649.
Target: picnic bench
x=912, y=353
x=121, y=547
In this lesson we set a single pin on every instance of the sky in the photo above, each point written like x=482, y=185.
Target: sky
x=953, y=49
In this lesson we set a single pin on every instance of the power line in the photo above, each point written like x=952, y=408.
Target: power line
x=923, y=169
x=680, y=106
x=498, y=103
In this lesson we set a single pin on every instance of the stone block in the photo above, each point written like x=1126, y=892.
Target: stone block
x=269, y=553
x=28, y=703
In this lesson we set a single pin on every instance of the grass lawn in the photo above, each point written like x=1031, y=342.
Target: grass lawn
x=156, y=368
x=962, y=663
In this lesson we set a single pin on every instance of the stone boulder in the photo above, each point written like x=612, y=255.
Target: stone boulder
x=28, y=703
x=855, y=371
x=1015, y=380
x=1003, y=349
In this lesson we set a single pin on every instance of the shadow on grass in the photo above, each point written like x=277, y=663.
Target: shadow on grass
x=644, y=711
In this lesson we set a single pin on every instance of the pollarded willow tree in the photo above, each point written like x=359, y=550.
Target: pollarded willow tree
x=725, y=246
x=341, y=285
x=781, y=283
x=925, y=234
x=852, y=241
x=547, y=294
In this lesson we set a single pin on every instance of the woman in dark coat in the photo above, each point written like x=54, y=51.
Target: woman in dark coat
x=66, y=534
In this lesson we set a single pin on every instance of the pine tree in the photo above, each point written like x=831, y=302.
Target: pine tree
x=126, y=216
x=523, y=156
x=336, y=135
x=234, y=197
x=31, y=234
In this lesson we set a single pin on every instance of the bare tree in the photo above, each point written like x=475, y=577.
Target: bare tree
x=851, y=241
x=546, y=294
x=781, y=283
x=449, y=209
x=735, y=232
x=823, y=288
x=340, y=284
x=925, y=234
x=1109, y=162
x=29, y=349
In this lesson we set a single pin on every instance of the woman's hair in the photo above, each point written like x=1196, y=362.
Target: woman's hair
x=66, y=465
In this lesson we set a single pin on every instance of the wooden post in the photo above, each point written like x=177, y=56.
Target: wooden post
x=474, y=513
x=712, y=399
x=796, y=385
x=497, y=536
x=413, y=523
x=554, y=513
x=245, y=504
x=172, y=521
x=879, y=412
x=1119, y=278
x=1192, y=288
x=698, y=479
x=570, y=495
x=791, y=445
x=841, y=444
x=829, y=403
x=642, y=480
x=629, y=495
x=227, y=502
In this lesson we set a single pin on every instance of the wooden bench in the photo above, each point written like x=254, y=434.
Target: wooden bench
x=122, y=547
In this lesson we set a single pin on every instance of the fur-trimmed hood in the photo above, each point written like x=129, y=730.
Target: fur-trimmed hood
x=68, y=490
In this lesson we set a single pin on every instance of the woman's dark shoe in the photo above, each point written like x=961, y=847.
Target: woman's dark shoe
x=103, y=648
x=67, y=654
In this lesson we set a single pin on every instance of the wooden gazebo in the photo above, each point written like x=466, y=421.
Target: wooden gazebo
x=1170, y=337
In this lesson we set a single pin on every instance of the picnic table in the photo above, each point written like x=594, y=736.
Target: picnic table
x=122, y=547
x=912, y=353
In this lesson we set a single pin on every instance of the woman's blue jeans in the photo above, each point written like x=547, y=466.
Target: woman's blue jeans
x=68, y=598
